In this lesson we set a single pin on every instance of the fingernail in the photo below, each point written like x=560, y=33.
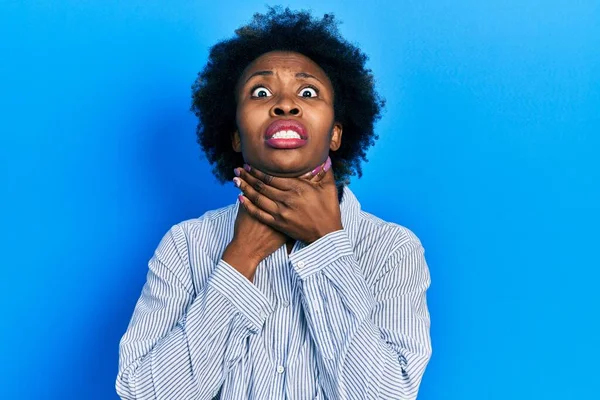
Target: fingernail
x=327, y=164
x=240, y=198
x=236, y=172
x=247, y=167
x=237, y=182
x=316, y=170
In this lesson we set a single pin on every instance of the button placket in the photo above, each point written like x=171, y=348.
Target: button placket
x=279, y=276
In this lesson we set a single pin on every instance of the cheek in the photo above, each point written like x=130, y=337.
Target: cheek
x=249, y=118
x=322, y=119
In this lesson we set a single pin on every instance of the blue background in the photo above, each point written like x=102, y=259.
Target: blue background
x=488, y=151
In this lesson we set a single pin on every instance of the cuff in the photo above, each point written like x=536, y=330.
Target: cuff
x=321, y=253
x=242, y=294
x=333, y=256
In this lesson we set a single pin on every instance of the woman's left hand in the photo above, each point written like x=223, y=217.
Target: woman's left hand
x=305, y=210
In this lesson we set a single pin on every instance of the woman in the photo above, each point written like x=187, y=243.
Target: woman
x=293, y=291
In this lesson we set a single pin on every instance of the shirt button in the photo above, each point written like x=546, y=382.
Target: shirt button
x=280, y=369
x=300, y=264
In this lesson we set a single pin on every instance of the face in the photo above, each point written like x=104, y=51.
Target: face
x=288, y=93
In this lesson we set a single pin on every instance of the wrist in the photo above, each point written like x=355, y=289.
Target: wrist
x=243, y=263
x=325, y=232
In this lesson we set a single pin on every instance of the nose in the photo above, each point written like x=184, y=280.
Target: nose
x=286, y=105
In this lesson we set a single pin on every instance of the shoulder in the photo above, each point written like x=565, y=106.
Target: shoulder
x=379, y=244
x=212, y=225
x=211, y=232
x=198, y=244
x=385, y=235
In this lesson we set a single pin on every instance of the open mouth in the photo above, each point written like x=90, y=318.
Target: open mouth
x=286, y=134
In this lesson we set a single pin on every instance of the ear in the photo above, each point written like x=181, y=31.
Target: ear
x=336, y=137
x=236, y=142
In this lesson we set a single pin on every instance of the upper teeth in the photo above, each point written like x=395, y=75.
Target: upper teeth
x=286, y=135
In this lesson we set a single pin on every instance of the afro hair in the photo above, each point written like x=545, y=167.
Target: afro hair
x=357, y=105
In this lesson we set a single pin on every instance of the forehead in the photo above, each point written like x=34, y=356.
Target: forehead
x=285, y=62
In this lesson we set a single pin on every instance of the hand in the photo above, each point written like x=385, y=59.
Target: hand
x=302, y=209
x=253, y=240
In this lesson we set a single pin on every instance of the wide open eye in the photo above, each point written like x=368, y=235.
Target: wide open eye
x=309, y=92
x=260, y=91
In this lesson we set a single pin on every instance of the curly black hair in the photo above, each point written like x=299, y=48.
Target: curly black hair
x=357, y=105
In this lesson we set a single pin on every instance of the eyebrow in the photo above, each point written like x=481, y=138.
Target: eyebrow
x=269, y=73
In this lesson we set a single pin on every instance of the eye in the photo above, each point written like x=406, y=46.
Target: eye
x=309, y=92
x=260, y=91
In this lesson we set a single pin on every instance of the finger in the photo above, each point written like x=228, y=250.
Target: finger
x=319, y=176
x=317, y=173
x=321, y=170
x=328, y=177
x=260, y=185
x=311, y=174
x=253, y=193
x=307, y=176
x=282, y=184
x=256, y=212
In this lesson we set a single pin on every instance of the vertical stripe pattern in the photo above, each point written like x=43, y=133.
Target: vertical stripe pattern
x=345, y=317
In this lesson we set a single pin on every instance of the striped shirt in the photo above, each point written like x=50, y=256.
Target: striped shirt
x=342, y=318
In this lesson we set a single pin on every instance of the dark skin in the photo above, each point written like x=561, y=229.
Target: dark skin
x=285, y=198
x=285, y=85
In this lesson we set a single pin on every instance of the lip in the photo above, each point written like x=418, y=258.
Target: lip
x=286, y=143
x=288, y=125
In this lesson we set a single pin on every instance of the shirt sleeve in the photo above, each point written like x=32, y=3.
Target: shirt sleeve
x=180, y=344
x=373, y=340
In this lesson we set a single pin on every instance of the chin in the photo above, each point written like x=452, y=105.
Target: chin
x=286, y=174
x=285, y=169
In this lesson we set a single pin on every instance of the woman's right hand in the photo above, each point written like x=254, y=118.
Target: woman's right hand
x=254, y=241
